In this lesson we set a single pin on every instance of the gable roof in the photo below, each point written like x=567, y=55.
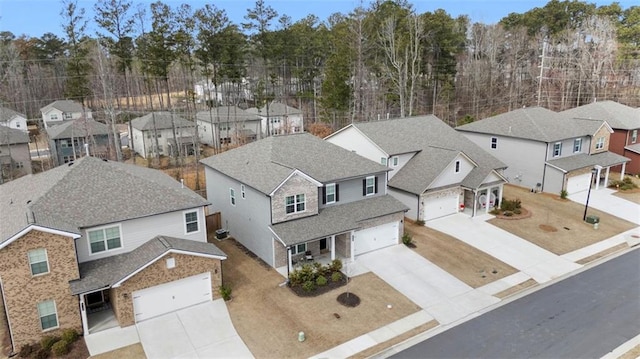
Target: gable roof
x=227, y=114
x=12, y=136
x=89, y=192
x=583, y=160
x=534, y=123
x=275, y=109
x=162, y=121
x=6, y=114
x=264, y=164
x=106, y=272
x=77, y=128
x=616, y=114
x=64, y=106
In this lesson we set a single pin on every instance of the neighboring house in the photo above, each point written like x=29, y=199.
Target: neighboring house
x=161, y=124
x=77, y=138
x=282, y=119
x=63, y=110
x=12, y=119
x=435, y=171
x=625, y=122
x=228, y=125
x=285, y=195
x=547, y=151
x=96, y=244
x=15, y=158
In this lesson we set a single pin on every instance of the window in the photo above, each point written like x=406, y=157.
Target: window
x=494, y=142
x=577, y=145
x=557, y=149
x=295, y=204
x=17, y=124
x=232, y=196
x=64, y=143
x=104, y=239
x=600, y=143
x=394, y=161
x=67, y=115
x=38, y=261
x=19, y=164
x=67, y=159
x=191, y=221
x=369, y=186
x=383, y=161
x=53, y=116
x=48, y=315
x=458, y=166
x=242, y=192
x=330, y=193
x=299, y=248
x=634, y=136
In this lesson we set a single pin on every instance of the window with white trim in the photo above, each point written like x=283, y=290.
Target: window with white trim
x=394, y=161
x=299, y=248
x=243, y=192
x=557, y=149
x=634, y=136
x=53, y=116
x=600, y=143
x=191, y=221
x=38, y=261
x=370, y=186
x=64, y=143
x=67, y=115
x=295, y=204
x=458, y=166
x=104, y=239
x=383, y=161
x=494, y=142
x=232, y=196
x=330, y=193
x=48, y=314
x=577, y=145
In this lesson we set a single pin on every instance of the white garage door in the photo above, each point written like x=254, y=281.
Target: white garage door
x=168, y=297
x=436, y=207
x=578, y=183
x=374, y=238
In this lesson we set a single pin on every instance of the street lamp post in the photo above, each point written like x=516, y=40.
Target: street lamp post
x=586, y=205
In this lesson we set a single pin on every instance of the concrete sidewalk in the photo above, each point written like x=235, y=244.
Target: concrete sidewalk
x=604, y=200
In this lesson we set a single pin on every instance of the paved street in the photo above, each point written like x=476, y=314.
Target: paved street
x=584, y=316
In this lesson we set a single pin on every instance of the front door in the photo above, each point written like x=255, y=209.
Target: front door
x=323, y=244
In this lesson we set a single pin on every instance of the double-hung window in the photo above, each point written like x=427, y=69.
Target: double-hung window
x=38, y=261
x=330, y=193
x=104, y=239
x=577, y=145
x=48, y=314
x=458, y=166
x=53, y=116
x=369, y=186
x=383, y=161
x=243, y=192
x=191, y=221
x=295, y=204
x=600, y=143
x=557, y=149
x=634, y=136
x=232, y=196
x=299, y=248
x=394, y=161
x=494, y=142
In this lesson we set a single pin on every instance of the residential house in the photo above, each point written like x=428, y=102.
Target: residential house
x=162, y=125
x=95, y=244
x=285, y=195
x=15, y=158
x=228, y=125
x=63, y=110
x=435, y=171
x=547, y=151
x=625, y=122
x=12, y=119
x=77, y=138
x=281, y=118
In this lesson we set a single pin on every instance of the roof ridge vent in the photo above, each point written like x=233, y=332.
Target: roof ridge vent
x=164, y=241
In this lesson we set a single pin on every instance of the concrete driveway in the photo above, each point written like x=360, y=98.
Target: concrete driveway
x=441, y=295
x=604, y=200
x=202, y=331
x=538, y=263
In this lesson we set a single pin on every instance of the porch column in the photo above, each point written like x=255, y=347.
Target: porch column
x=333, y=247
x=475, y=203
x=598, y=178
x=499, y=199
x=83, y=315
x=624, y=165
x=353, y=246
x=486, y=204
x=606, y=177
x=289, y=262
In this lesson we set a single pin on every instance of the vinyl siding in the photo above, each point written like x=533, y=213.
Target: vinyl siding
x=449, y=175
x=352, y=140
x=409, y=200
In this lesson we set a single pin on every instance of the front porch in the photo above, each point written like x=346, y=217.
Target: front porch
x=323, y=250
x=97, y=312
x=482, y=200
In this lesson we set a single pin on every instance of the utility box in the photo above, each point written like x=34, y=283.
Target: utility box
x=221, y=234
x=593, y=219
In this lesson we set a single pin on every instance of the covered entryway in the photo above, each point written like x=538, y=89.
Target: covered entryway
x=169, y=297
x=578, y=183
x=440, y=205
x=373, y=238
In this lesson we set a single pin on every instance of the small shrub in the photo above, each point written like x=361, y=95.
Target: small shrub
x=507, y=213
x=406, y=239
x=321, y=281
x=308, y=286
x=510, y=205
x=420, y=222
x=42, y=353
x=294, y=278
x=225, y=292
x=47, y=342
x=336, y=276
x=60, y=348
x=564, y=194
x=26, y=351
x=70, y=335
x=517, y=211
x=495, y=211
x=336, y=265
x=320, y=270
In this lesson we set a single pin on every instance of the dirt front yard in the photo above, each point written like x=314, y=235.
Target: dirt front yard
x=556, y=224
x=268, y=315
x=632, y=195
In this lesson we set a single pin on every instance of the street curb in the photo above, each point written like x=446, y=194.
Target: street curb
x=623, y=349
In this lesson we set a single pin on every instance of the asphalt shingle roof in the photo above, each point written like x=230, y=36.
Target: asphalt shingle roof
x=633, y=148
x=12, y=136
x=227, y=114
x=90, y=192
x=162, y=121
x=616, y=114
x=6, y=114
x=266, y=163
x=77, y=128
x=336, y=219
x=105, y=272
x=275, y=109
x=534, y=123
x=583, y=160
x=64, y=106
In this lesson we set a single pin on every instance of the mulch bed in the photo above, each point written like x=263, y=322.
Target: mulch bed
x=525, y=213
x=331, y=285
x=349, y=299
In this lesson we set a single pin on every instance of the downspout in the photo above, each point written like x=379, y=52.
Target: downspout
x=418, y=209
x=544, y=169
x=6, y=313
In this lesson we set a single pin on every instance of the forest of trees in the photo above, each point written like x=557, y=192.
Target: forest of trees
x=381, y=61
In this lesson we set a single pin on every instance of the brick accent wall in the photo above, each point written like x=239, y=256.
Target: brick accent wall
x=343, y=245
x=158, y=273
x=280, y=254
x=295, y=185
x=23, y=291
x=603, y=132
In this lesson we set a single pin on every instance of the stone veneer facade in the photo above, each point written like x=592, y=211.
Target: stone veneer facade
x=23, y=291
x=295, y=185
x=602, y=132
x=158, y=273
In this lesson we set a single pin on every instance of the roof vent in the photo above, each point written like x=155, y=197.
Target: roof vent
x=105, y=160
x=70, y=164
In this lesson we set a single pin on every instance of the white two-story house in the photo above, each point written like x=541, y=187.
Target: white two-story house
x=63, y=110
x=285, y=195
x=161, y=125
x=12, y=119
x=228, y=125
x=279, y=119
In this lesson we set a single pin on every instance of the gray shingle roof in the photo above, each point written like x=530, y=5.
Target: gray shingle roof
x=11, y=136
x=162, y=120
x=104, y=273
x=616, y=114
x=633, y=148
x=437, y=143
x=583, y=160
x=6, y=114
x=227, y=114
x=264, y=164
x=534, y=123
x=336, y=219
x=275, y=109
x=77, y=128
x=90, y=192
x=64, y=106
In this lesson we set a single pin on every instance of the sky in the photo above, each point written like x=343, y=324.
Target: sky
x=36, y=17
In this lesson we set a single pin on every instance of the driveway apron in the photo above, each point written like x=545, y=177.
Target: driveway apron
x=440, y=294
x=201, y=331
x=538, y=263
x=604, y=200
